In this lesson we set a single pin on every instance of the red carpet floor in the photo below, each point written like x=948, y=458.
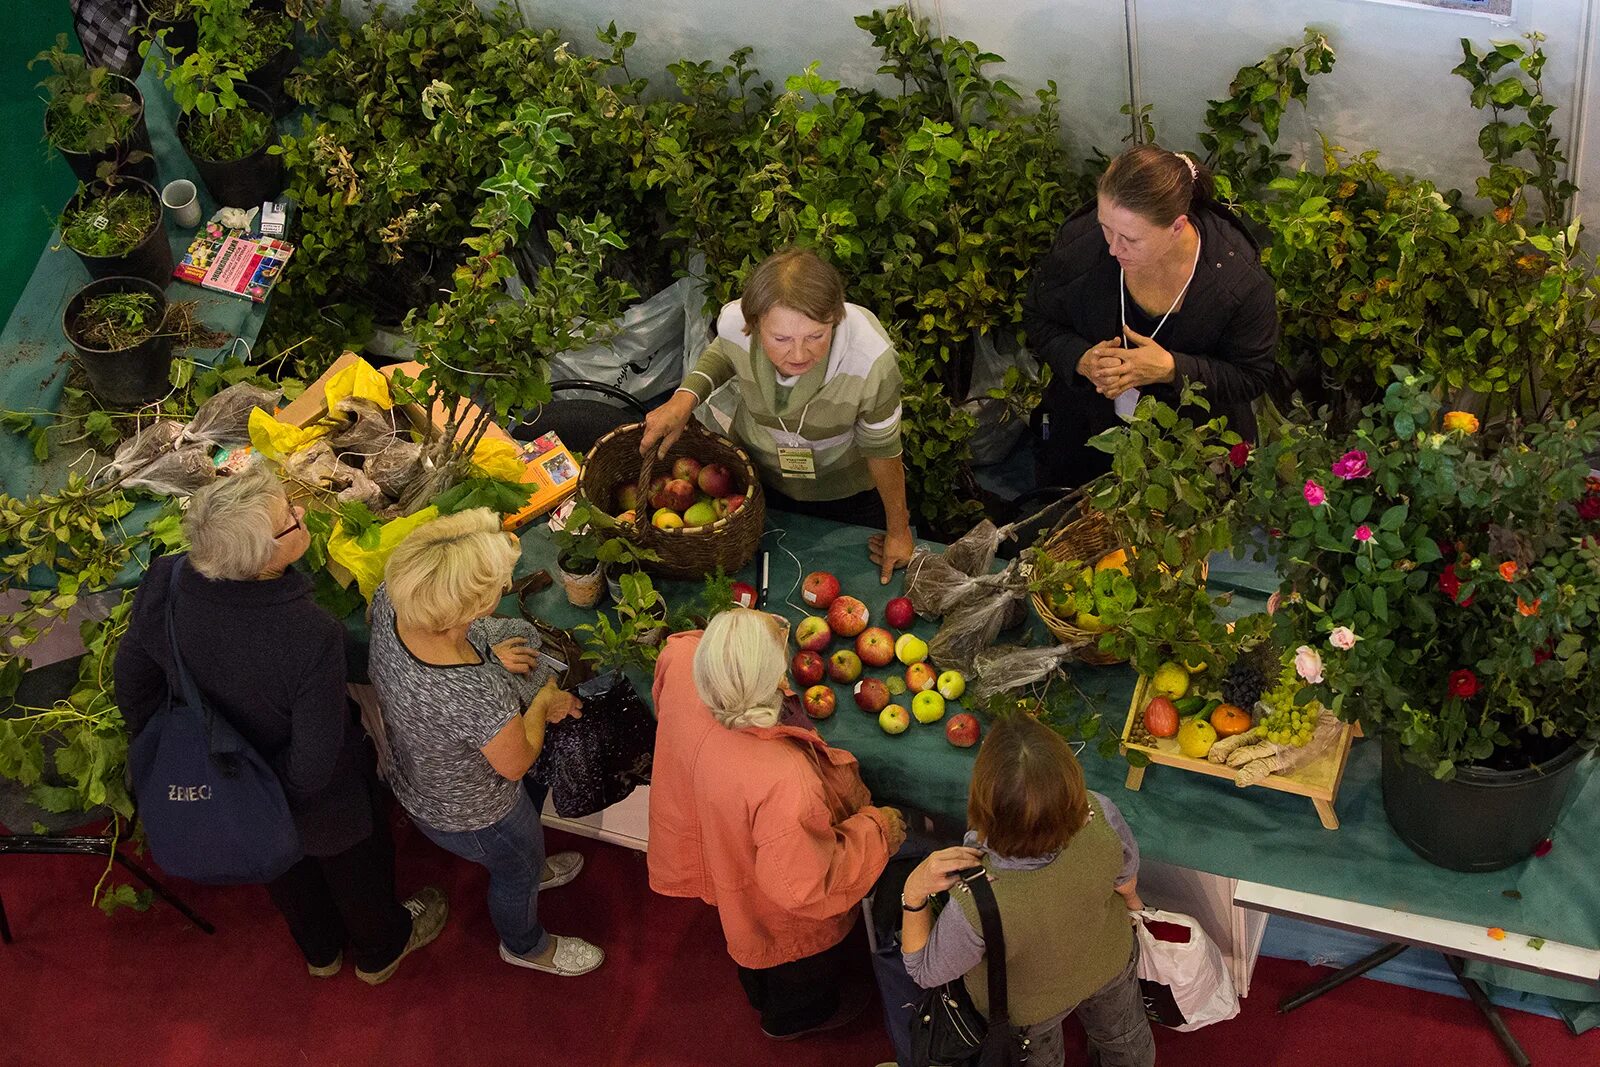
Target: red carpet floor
x=80, y=988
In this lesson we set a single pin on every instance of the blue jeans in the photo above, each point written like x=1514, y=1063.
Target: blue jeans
x=513, y=851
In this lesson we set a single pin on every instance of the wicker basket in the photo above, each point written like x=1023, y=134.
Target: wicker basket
x=691, y=552
x=1086, y=536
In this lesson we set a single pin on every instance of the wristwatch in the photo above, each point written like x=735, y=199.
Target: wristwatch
x=907, y=907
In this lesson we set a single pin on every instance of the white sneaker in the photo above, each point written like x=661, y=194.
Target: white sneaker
x=563, y=867
x=573, y=956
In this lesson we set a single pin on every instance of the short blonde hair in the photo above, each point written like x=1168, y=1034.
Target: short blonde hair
x=738, y=667
x=449, y=571
x=800, y=280
x=230, y=523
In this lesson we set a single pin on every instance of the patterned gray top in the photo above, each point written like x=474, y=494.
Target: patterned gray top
x=438, y=718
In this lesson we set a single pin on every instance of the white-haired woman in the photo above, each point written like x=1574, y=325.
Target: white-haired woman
x=466, y=698
x=761, y=819
x=272, y=663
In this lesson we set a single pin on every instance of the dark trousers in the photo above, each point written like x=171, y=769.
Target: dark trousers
x=1061, y=429
x=329, y=901
x=797, y=995
x=863, y=509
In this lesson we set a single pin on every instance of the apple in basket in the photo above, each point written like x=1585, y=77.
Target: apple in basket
x=844, y=666
x=848, y=616
x=813, y=634
x=687, y=469
x=700, y=514
x=716, y=480
x=807, y=668
x=733, y=503
x=872, y=696
x=819, y=702
x=820, y=590
x=666, y=519
x=875, y=647
x=658, y=493
x=628, y=496
x=678, y=495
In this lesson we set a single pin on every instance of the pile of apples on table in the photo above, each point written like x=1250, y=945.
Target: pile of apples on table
x=874, y=646
x=693, y=494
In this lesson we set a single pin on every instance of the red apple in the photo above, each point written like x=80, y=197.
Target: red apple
x=807, y=668
x=962, y=730
x=687, y=469
x=875, y=647
x=813, y=634
x=745, y=595
x=734, y=502
x=627, y=497
x=848, y=616
x=720, y=507
x=819, y=702
x=920, y=677
x=658, y=493
x=679, y=494
x=872, y=695
x=820, y=590
x=898, y=612
x=844, y=666
x=716, y=480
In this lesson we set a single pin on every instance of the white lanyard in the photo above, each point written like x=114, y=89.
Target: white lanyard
x=795, y=436
x=1129, y=399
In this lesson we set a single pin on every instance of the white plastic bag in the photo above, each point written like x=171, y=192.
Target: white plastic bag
x=1185, y=986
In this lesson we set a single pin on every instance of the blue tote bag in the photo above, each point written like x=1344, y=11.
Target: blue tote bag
x=213, y=809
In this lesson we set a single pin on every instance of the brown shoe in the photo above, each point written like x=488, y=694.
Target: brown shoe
x=429, y=909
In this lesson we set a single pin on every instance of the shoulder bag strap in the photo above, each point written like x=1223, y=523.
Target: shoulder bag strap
x=186, y=682
x=994, y=949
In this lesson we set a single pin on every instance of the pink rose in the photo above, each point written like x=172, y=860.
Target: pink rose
x=1363, y=532
x=1315, y=494
x=1308, y=664
x=1352, y=465
x=1343, y=638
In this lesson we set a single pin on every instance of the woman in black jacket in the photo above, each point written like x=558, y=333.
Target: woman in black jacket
x=1154, y=285
x=272, y=663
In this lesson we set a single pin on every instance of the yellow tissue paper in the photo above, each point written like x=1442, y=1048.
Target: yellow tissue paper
x=498, y=458
x=275, y=439
x=360, y=380
x=366, y=564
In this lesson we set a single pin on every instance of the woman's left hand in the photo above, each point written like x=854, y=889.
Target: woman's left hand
x=938, y=872
x=1144, y=362
x=515, y=655
x=891, y=551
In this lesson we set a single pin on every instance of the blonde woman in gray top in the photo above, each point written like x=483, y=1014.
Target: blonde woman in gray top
x=818, y=399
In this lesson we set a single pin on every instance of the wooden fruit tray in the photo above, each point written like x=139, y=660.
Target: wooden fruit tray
x=1318, y=780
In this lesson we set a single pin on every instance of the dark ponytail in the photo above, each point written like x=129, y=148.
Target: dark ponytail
x=1157, y=185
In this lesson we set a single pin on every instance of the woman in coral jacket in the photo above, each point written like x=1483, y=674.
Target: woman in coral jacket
x=763, y=820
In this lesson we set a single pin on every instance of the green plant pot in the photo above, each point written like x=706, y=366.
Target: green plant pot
x=1480, y=820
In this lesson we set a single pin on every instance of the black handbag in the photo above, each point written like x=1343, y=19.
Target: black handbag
x=947, y=1030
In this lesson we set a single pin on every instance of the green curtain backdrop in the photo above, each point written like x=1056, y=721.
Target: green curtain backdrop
x=36, y=183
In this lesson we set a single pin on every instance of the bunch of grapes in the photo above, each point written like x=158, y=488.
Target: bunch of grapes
x=1293, y=726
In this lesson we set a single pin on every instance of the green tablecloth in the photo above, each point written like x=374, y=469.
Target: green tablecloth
x=1192, y=820
x=35, y=357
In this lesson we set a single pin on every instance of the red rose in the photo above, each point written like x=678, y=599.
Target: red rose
x=1463, y=684
x=1239, y=454
x=1589, y=508
x=1541, y=654
x=1449, y=584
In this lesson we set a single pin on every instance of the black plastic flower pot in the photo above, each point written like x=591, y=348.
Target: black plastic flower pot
x=269, y=78
x=86, y=165
x=150, y=259
x=126, y=377
x=181, y=34
x=1480, y=820
x=249, y=180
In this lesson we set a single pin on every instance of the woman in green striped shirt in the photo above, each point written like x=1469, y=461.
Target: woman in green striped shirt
x=818, y=399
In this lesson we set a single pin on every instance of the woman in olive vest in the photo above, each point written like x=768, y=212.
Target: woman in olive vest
x=1063, y=866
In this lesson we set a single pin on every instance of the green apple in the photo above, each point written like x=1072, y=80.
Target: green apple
x=894, y=720
x=951, y=685
x=928, y=706
x=701, y=514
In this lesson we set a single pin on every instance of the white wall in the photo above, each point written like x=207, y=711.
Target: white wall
x=1391, y=88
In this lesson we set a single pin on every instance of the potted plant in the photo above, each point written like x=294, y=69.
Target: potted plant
x=1442, y=586
x=255, y=35
x=226, y=127
x=94, y=118
x=117, y=327
x=117, y=227
x=170, y=22
x=634, y=641
x=589, y=543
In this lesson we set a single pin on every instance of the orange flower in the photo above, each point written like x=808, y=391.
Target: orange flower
x=1497, y=933
x=1465, y=421
x=1508, y=570
x=1525, y=608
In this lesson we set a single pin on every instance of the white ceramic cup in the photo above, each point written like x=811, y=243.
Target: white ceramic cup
x=180, y=198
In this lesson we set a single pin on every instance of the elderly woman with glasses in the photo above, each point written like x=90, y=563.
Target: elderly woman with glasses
x=272, y=663
x=762, y=819
x=466, y=698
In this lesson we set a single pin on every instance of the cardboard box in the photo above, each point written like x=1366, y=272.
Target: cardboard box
x=549, y=470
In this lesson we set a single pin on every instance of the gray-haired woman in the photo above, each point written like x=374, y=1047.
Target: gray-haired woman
x=271, y=662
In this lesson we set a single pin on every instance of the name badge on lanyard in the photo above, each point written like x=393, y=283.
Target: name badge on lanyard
x=798, y=463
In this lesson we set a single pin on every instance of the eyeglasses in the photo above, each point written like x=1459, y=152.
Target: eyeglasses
x=297, y=511
x=783, y=624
